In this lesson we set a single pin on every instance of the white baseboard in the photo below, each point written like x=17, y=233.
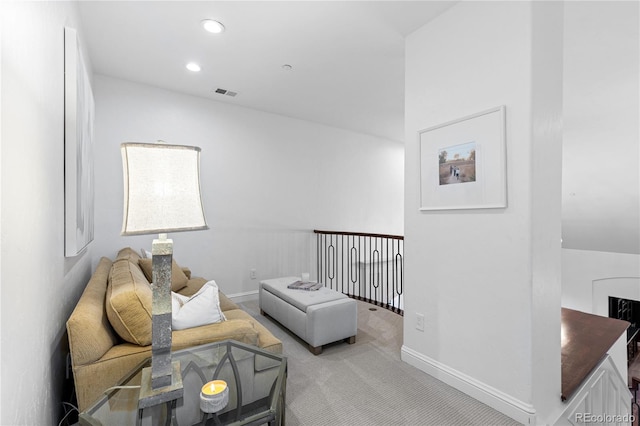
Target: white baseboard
x=244, y=297
x=518, y=410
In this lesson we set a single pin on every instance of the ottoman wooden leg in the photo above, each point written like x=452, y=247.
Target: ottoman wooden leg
x=316, y=350
x=350, y=340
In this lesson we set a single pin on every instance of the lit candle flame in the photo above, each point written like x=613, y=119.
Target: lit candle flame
x=214, y=387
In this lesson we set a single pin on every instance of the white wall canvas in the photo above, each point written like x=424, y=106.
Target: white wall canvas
x=78, y=141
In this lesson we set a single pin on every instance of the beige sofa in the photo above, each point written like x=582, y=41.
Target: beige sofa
x=110, y=328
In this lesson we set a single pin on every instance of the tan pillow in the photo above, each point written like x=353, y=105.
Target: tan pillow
x=128, y=303
x=178, y=278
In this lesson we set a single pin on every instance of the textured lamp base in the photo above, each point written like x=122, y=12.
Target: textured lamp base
x=150, y=397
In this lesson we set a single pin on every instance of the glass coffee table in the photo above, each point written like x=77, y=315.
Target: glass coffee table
x=256, y=380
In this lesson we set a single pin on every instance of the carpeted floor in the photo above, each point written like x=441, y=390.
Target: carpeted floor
x=366, y=383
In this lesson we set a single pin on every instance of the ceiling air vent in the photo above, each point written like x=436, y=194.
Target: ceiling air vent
x=225, y=92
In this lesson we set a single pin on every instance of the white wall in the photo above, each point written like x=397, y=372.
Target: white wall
x=39, y=286
x=1, y=13
x=268, y=181
x=487, y=281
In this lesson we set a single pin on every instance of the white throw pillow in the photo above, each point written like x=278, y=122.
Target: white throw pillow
x=200, y=309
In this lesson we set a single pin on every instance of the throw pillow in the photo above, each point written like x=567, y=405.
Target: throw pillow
x=178, y=278
x=200, y=309
x=129, y=303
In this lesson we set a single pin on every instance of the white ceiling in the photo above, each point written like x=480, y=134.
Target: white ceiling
x=347, y=56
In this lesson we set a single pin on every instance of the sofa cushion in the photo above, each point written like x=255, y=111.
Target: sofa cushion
x=128, y=302
x=242, y=330
x=178, y=278
x=266, y=340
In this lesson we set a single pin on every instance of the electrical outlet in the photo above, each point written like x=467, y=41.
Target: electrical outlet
x=252, y=274
x=420, y=322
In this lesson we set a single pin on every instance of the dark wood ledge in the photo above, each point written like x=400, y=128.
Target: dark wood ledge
x=586, y=338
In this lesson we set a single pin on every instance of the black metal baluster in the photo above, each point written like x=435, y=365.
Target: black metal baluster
x=400, y=262
x=331, y=262
x=318, y=256
x=342, y=263
x=353, y=275
x=386, y=256
x=358, y=252
x=370, y=286
x=375, y=262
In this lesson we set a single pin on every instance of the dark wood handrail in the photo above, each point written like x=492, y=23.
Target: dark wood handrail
x=360, y=234
x=587, y=338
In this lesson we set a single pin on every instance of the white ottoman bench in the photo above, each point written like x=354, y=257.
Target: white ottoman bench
x=317, y=317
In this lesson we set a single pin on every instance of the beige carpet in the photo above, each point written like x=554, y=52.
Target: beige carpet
x=367, y=383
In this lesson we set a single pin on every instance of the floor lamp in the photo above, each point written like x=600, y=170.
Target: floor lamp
x=161, y=195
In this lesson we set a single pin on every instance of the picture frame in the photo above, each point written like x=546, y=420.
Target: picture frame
x=78, y=148
x=463, y=163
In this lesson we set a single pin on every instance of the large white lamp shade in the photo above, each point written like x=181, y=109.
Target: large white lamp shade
x=161, y=189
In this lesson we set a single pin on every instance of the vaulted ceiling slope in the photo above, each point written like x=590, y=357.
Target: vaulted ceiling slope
x=601, y=127
x=346, y=57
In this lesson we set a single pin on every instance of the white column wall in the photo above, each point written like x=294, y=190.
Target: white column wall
x=546, y=203
x=267, y=181
x=477, y=275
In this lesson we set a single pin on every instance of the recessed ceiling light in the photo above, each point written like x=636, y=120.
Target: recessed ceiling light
x=212, y=26
x=192, y=66
x=287, y=67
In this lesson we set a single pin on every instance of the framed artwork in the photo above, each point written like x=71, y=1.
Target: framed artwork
x=78, y=148
x=463, y=163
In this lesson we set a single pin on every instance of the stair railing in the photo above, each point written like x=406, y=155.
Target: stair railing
x=367, y=267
